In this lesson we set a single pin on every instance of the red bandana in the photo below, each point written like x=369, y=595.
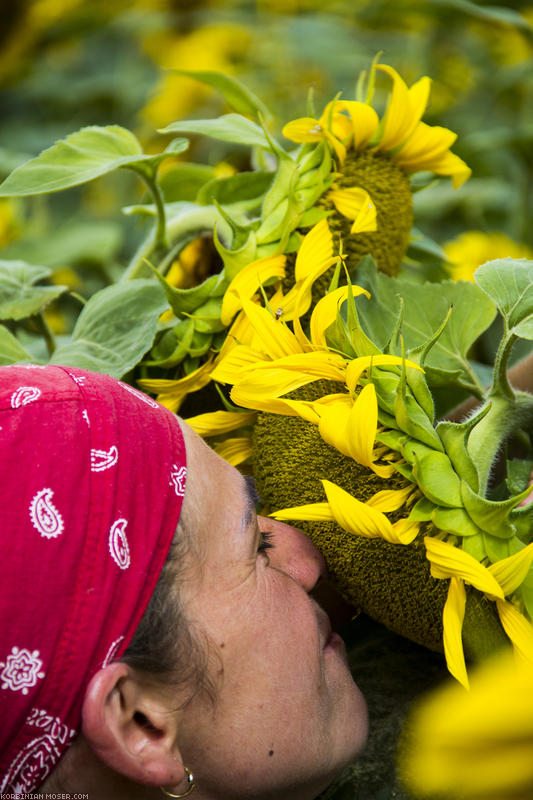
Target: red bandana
x=92, y=478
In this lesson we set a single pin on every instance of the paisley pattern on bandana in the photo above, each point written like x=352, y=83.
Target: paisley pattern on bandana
x=87, y=515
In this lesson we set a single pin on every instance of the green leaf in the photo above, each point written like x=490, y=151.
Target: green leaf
x=245, y=189
x=492, y=517
x=507, y=16
x=236, y=94
x=425, y=307
x=509, y=282
x=19, y=297
x=11, y=351
x=75, y=241
x=81, y=157
x=454, y=520
x=227, y=128
x=115, y=328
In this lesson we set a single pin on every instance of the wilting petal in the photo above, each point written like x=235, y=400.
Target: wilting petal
x=171, y=394
x=246, y=283
x=316, y=247
x=517, y=628
x=448, y=561
x=277, y=340
x=313, y=512
x=355, y=203
x=452, y=619
x=356, y=517
x=235, y=450
x=357, y=366
x=325, y=312
x=511, y=571
x=404, y=110
x=364, y=120
x=303, y=129
x=217, y=422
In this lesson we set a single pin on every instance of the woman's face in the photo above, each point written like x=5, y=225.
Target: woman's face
x=287, y=715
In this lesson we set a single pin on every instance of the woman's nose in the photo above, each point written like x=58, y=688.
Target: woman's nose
x=294, y=553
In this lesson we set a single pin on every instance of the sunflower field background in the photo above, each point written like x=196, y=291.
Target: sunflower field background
x=215, y=179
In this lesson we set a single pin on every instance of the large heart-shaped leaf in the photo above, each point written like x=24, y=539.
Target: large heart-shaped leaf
x=19, y=297
x=114, y=330
x=228, y=128
x=81, y=157
x=425, y=308
x=509, y=282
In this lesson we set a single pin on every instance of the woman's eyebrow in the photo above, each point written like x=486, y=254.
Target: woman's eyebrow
x=251, y=500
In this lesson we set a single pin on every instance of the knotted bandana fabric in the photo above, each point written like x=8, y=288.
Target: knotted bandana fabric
x=92, y=478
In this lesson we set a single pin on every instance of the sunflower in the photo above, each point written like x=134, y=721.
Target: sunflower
x=376, y=155
x=470, y=249
x=345, y=445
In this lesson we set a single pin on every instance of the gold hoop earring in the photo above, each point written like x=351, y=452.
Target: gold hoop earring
x=190, y=782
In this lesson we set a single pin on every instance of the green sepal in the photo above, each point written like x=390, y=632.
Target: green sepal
x=184, y=301
x=418, y=385
x=522, y=518
x=454, y=520
x=497, y=548
x=454, y=435
x=386, y=383
x=312, y=216
x=413, y=451
x=235, y=259
x=387, y=420
x=244, y=190
x=491, y=516
x=475, y=546
x=422, y=511
x=394, y=440
x=207, y=316
x=405, y=470
x=437, y=479
x=180, y=350
x=413, y=420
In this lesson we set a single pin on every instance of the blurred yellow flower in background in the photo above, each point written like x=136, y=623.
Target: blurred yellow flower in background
x=211, y=47
x=474, y=745
x=471, y=249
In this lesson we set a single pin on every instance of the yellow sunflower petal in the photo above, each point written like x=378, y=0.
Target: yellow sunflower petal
x=246, y=283
x=404, y=110
x=364, y=120
x=303, y=129
x=269, y=383
x=355, y=203
x=277, y=340
x=427, y=145
x=356, y=517
x=405, y=530
x=362, y=426
x=448, y=561
x=319, y=363
x=333, y=422
x=313, y=512
x=452, y=619
x=231, y=367
x=389, y=499
x=172, y=393
x=235, y=450
x=316, y=247
x=511, y=571
x=325, y=312
x=455, y=167
x=517, y=628
x=217, y=422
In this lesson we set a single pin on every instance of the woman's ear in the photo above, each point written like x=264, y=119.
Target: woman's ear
x=130, y=729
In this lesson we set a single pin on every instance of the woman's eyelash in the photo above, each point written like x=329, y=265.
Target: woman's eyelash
x=266, y=542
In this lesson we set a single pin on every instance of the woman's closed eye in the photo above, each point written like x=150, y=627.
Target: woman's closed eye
x=265, y=542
